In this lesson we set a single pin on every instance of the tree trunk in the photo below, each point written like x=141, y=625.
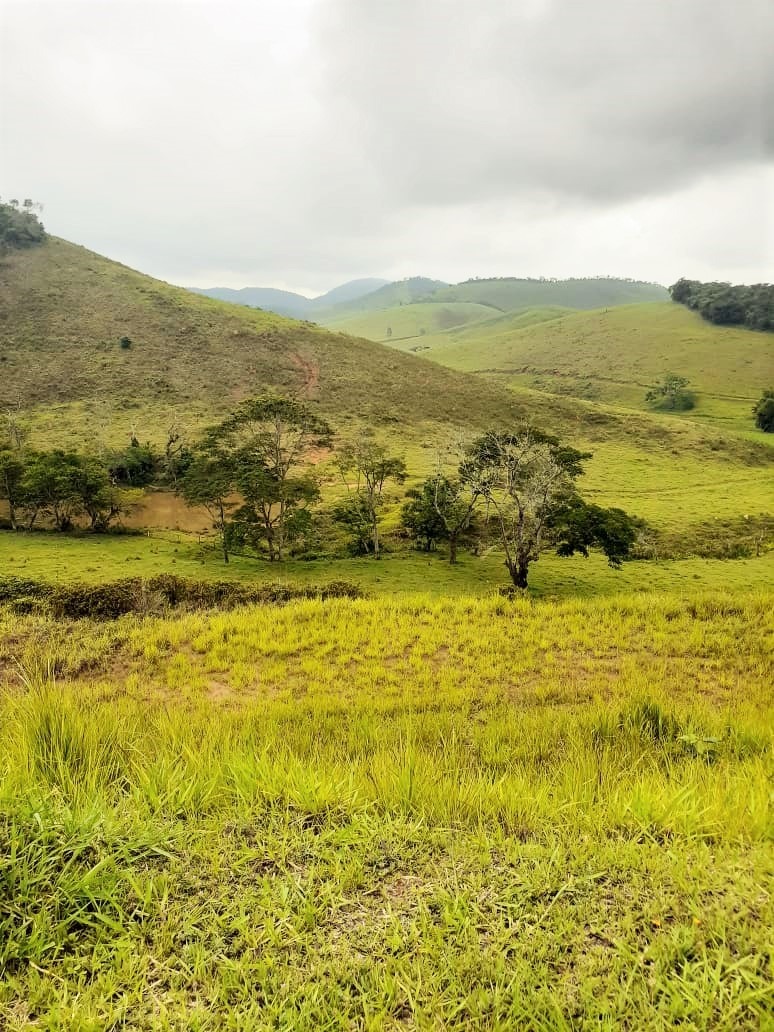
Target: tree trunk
x=452, y=548
x=518, y=571
x=12, y=515
x=223, y=531
x=375, y=538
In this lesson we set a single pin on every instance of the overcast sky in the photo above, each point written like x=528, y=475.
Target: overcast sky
x=301, y=143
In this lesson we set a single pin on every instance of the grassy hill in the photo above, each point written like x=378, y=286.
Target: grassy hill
x=401, y=292
x=64, y=311
x=613, y=355
x=510, y=294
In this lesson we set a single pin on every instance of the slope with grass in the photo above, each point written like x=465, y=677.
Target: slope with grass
x=510, y=294
x=458, y=814
x=614, y=355
x=409, y=321
x=64, y=312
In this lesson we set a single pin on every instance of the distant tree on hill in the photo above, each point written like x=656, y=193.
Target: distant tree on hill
x=442, y=509
x=671, y=394
x=366, y=468
x=20, y=226
x=728, y=305
x=527, y=480
x=764, y=412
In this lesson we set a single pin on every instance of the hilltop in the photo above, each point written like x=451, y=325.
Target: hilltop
x=389, y=314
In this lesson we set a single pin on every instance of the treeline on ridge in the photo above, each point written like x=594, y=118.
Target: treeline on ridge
x=728, y=305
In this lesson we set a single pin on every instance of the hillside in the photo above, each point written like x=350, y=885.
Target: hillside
x=508, y=294
x=613, y=355
x=401, y=292
x=64, y=311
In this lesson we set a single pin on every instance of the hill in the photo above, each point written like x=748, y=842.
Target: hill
x=65, y=310
x=401, y=292
x=282, y=302
x=509, y=294
x=186, y=359
x=613, y=355
x=288, y=303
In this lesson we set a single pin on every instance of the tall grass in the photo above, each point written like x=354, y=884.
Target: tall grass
x=414, y=814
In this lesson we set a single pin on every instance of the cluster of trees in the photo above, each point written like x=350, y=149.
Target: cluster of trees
x=254, y=475
x=728, y=305
x=516, y=489
x=64, y=487
x=20, y=225
x=60, y=486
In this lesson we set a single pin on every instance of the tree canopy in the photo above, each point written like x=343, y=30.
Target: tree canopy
x=728, y=305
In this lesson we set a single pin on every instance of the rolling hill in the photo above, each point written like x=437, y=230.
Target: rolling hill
x=510, y=294
x=64, y=311
x=91, y=350
x=613, y=355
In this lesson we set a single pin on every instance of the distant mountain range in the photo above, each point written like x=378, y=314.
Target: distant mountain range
x=498, y=295
x=286, y=302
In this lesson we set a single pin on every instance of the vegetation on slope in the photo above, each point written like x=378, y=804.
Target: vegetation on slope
x=64, y=312
x=510, y=294
x=370, y=814
x=728, y=305
x=615, y=355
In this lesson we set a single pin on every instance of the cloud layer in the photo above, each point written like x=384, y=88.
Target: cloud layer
x=301, y=142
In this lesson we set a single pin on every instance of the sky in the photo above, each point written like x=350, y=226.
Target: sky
x=302, y=143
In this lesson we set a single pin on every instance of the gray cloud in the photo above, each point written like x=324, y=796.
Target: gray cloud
x=301, y=142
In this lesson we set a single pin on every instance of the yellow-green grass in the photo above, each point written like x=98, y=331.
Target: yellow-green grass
x=409, y=321
x=613, y=355
x=95, y=559
x=461, y=814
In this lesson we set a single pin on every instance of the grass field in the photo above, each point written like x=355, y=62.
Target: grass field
x=613, y=355
x=390, y=814
x=92, y=559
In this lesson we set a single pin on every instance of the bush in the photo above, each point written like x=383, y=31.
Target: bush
x=134, y=595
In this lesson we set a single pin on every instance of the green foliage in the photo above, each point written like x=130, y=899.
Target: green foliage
x=20, y=226
x=420, y=517
x=12, y=481
x=135, y=466
x=366, y=467
x=125, y=343
x=727, y=305
x=527, y=480
x=671, y=395
x=764, y=412
x=112, y=599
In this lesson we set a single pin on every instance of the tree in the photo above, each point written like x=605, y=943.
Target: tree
x=442, y=509
x=11, y=481
x=764, y=412
x=50, y=487
x=275, y=512
x=527, y=479
x=419, y=517
x=209, y=482
x=101, y=499
x=371, y=467
x=20, y=226
x=671, y=394
x=268, y=439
